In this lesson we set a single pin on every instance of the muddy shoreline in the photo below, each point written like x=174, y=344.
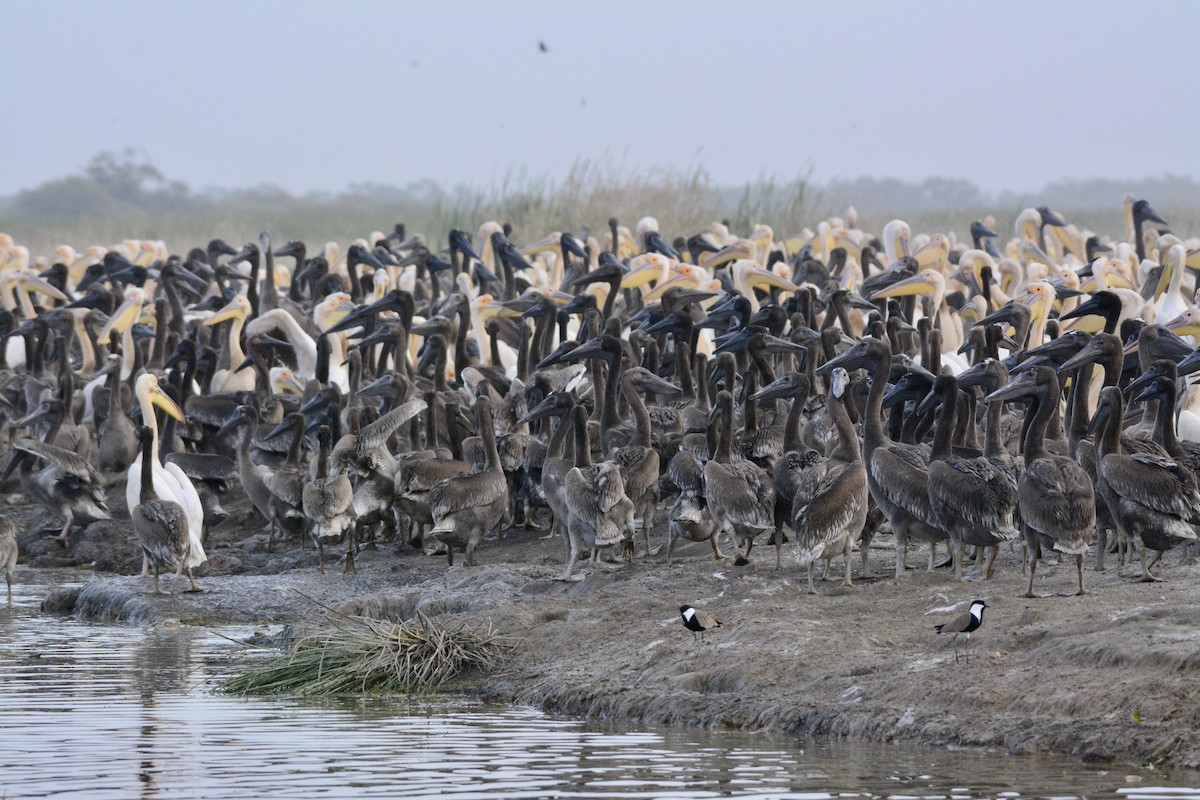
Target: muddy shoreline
x=1110, y=677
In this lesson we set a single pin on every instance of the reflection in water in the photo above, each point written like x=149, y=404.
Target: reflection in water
x=109, y=711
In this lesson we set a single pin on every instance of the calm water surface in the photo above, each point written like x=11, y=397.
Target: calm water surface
x=101, y=711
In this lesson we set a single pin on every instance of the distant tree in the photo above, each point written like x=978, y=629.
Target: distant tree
x=66, y=197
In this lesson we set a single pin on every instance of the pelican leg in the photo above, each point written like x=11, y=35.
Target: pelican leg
x=66, y=530
x=1032, y=569
x=157, y=588
x=351, y=550
x=145, y=566
x=778, y=545
x=195, y=587
x=811, y=589
x=901, y=549
x=320, y=556
x=1103, y=539
x=647, y=523
x=957, y=555
x=846, y=557
x=1158, y=554
x=1079, y=568
x=992, y=552
x=716, y=546
x=864, y=542
x=1147, y=576
x=571, y=559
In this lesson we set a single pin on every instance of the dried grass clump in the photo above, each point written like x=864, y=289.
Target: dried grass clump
x=351, y=654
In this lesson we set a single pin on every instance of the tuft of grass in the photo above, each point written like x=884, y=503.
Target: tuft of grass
x=360, y=655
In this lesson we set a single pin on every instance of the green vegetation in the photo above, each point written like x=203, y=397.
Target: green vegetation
x=352, y=654
x=122, y=195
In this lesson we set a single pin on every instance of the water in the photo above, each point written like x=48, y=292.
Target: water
x=98, y=711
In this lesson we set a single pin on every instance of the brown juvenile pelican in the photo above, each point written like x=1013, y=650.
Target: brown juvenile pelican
x=8, y=552
x=467, y=507
x=67, y=484
x=598, y=512
x=1055, y=495
x=159, y=526
x=118, y=440
x=897, y=474
x=327, y=501
x=970, y=498
x=740, y=495
x=638, y=461
x=1152, y=499
x=828, y=518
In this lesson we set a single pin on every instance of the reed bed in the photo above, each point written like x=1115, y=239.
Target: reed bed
x=361, y=655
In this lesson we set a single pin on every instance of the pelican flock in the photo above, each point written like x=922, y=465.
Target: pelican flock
x=815, y=392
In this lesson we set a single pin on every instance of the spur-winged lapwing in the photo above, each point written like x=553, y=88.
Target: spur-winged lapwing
x=697, y=621
x=966, y=622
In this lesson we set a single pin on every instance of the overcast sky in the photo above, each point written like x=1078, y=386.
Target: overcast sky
x=317, y=96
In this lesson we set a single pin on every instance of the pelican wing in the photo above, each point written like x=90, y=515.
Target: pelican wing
x=287, y=485
x=974, y=491
x=839, y=502
x=896, y=472
x=459, y=493
x=1057, y=499
x=1158, y=483
x=326, y=498
x=378, y=432
x=68, y=461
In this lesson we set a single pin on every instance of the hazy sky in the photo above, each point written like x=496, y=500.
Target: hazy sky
x=307, y=95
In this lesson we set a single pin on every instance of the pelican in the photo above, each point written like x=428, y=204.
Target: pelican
x=170, y=482
x=233, y=379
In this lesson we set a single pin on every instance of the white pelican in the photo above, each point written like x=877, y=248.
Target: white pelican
x=233, y=379
x=930, y=282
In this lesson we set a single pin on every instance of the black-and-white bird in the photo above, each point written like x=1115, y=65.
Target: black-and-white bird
x=965, y=622
x=697, y=621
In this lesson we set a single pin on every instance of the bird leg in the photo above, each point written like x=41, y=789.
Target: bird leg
x=145, y=566
x=846, y=557
x=901, y=552
x=1158, y=554
x=571, y=559
x=320, y=556
x=647, y=524
x=195, y=588
x=1147, y=576
x=1032, y=568
x=1079, y=568
x=992, y=552
x=716, y=546
x=811, y=589
x=778, y=545
x=351, y=548
x=1102, y=537
x=66, y=530
x=157, y=588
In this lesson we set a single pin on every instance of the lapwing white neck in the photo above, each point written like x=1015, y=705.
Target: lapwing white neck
x=697, y=621
x=965, y=622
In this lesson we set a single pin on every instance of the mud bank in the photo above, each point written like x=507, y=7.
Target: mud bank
x=1113, y=676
